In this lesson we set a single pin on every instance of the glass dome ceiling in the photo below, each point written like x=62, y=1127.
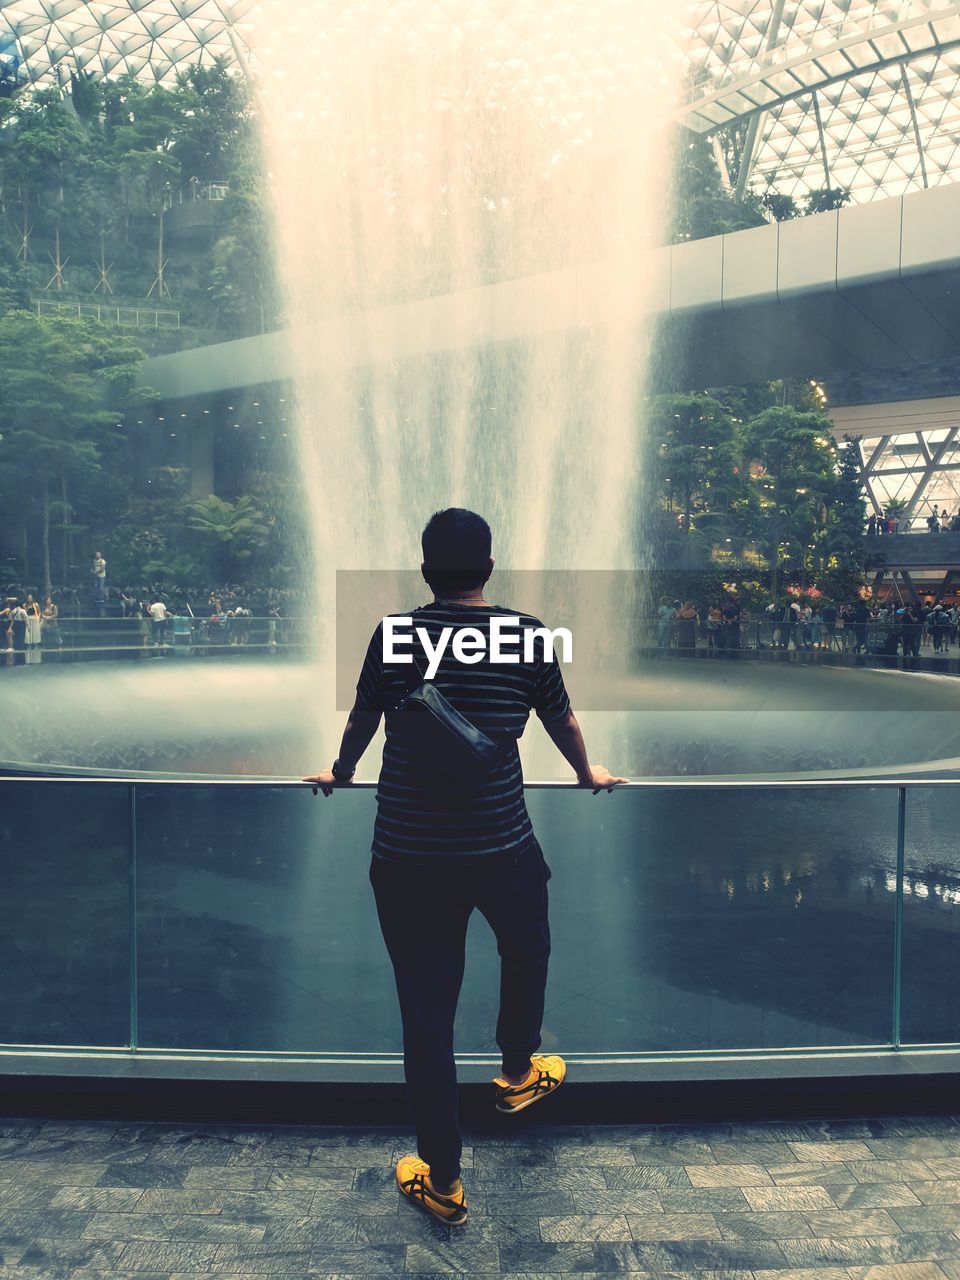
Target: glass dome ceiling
x=835, y=93
x=810, y=93
x=148, y=38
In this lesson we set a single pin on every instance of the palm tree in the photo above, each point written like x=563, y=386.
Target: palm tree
x=231, y=531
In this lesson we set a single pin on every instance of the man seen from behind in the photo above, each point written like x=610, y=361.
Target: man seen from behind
x=443, y=848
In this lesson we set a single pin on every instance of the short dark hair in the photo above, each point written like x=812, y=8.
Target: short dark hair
x=456, y=550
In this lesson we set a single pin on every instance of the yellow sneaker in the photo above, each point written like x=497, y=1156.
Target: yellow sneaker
x=547, y=1071
x=413, y=1179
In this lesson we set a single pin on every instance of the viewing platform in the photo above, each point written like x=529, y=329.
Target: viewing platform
x=205, y=1078
x=939, y=551
x=927, y=564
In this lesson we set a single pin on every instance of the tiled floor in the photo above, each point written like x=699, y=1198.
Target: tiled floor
x=834, y=1200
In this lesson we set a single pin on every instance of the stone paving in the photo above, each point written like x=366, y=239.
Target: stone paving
x=875, y=1199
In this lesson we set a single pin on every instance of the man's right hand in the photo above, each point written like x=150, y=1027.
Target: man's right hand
x=325, y=781
x=600, y=779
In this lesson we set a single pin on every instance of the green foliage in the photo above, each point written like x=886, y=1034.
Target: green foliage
x=781, y=208
x=84, y=95
x=96, y=165
x=826, y=198
x=701, y=206
x=843, y=547
x=62, y=385
x=238, y=270
x=757, y=485
x=703, y=201
x=793, y=457
x=696, y=453
x=230, y=532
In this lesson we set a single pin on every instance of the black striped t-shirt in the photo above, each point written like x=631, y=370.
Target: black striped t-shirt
x=420, y=815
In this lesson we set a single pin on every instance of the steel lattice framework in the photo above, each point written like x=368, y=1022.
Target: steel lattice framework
x=147, y=38
x=836, y=93
x=842, y=93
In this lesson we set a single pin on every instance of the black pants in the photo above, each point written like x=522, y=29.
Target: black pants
x=423, y=915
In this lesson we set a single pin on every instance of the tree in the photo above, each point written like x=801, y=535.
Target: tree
x=213, y=110
x=86, y=173
x=780, y=207
x=701, y=205
x=695, y=451
x=843, y=550
x=792, y=463
x=239, y=277
x=825, y=198
x=231, y=531
x=61, y=385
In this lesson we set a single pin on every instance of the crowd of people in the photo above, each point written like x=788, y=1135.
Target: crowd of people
x=211, y=616
x=938, y=521
x=208, y=616
x=25, y=626
x=883, y=627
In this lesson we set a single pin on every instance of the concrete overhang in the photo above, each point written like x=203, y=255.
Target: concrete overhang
x=896, y=417
x=873, y=286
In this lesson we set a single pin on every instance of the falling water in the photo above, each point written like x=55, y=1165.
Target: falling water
x=463, y=194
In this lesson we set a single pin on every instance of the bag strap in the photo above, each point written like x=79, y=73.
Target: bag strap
x=414, y=682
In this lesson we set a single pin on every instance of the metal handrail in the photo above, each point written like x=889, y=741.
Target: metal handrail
x=636, y=784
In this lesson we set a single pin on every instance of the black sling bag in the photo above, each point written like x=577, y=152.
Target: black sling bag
x=443, y=739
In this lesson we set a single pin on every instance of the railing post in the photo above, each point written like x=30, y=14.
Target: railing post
x=132, y=915
x=898, y=915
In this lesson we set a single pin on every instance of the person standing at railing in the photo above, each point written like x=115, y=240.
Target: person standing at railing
x=829, y=615
x=665, y=619
x=940, y=629
x=6, y=631
x=181, y=628
x=687, y=629
x=18, y=632
x=158, y=621
x=816, y=628
x=714, y=623
x=806, y=632
x=50, y=624
x=791, y=620
x=911, y=630
x=845, y=627
x=732, y=614
x=861, y=620
x=99, y=571
x=241, y=625
x=31, y=639
x=445, y=846
x=926, y=613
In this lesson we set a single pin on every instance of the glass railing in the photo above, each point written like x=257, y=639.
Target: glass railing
x=89, y=638
x=226, y=918
x=875, y=643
